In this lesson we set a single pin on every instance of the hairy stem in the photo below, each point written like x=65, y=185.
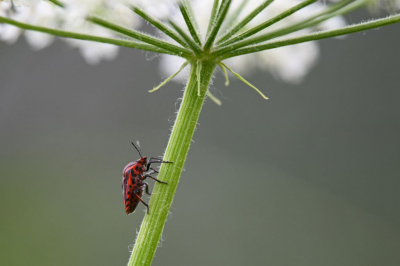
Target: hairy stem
x=86, y=37
x=138, y=35
x=269, y=22
x=177, y=150
x=159, y=25
x=305, y=38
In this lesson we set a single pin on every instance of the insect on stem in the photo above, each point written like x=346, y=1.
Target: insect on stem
x=133, y=183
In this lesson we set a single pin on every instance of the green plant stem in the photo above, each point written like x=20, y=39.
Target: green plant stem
x=245, y=21
x=189, y=41
x=313, y=36
x=189, y=6
x=177, y=149
x=189, y=22
x=86, y=37
x=138, y=35
x=223, y=10
x=337, y=9
x=233, y=17
x=268, y=23
x=159, y=25
x=213, y=17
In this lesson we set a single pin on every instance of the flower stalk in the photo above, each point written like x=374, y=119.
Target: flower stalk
x=176, y=152
x=236, y=49
x=86, y=37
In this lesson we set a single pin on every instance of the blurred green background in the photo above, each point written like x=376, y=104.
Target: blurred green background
x=310, y=177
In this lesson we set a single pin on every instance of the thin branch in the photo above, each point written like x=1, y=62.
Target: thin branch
x=139, y=36
x=316, y=36
x=170, y=77
x=85, y=37
x=159, y=25
x=57, y=3
x=337, y=9
x=223, y=10
x=245, y=21
x=245, y=81
x=194, y=46
x=188, y=14
x=266, y=24
x=213, y=98
x=225, y=74
x=233, y=17
x=189, y=23
x=213, y=17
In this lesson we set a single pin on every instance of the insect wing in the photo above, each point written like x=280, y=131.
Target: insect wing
x=131, y=189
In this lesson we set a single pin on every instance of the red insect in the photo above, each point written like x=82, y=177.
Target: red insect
x=133, y=177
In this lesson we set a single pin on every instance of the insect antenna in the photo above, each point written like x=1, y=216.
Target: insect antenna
x=138, y=148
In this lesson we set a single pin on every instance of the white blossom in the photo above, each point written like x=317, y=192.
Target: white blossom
x=160, y=9
x=71, y=18
x=289, y=63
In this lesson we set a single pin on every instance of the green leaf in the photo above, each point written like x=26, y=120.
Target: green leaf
x=245, y=81
x=170, y=77
x=213, y=98
x=225, y=74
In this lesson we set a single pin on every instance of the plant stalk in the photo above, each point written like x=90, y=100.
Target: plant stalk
x=177, y=150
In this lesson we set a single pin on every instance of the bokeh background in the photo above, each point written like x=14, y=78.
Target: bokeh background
x=310, y=177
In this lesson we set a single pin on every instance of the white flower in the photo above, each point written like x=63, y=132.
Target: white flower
x=160, y=9
x=36, y=12
x=289, y=63
x=8, y=33
x=71, y=18
x=74, y=21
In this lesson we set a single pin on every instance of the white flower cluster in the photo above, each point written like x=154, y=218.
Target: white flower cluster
x=287, y=63
x=71, y=18
x=290, y=63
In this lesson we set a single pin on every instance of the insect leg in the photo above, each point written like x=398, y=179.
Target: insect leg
x=156, y=160
x=145, y=204
x=154, y=170
x=146, y=188
x=155, y=179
